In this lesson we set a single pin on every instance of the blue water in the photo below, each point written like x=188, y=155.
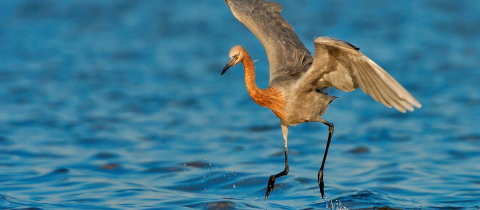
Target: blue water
x=120, y=105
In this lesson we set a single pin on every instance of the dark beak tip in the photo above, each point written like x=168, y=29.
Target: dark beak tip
x=230, y=63
x=224, y=70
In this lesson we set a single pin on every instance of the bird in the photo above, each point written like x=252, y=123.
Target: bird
x=298, y=81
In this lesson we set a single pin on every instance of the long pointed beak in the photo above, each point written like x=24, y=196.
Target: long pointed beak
x=230, y=63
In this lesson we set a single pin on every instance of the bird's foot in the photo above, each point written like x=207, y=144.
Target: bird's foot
x=271, y=184
x=320, y=182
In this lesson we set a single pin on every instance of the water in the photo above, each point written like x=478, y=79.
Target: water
x=120, y=105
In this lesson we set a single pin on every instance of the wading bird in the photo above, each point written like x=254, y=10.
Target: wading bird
x=295, y=93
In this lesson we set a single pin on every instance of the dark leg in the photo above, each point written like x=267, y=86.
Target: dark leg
x=271, y=181
x=320, y=172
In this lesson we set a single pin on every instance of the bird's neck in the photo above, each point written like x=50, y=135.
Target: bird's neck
x=252, y=87
x=268, y=97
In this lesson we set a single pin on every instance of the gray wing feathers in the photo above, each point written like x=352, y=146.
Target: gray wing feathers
x=341, y=65
x=340, y=78
x=286, y=53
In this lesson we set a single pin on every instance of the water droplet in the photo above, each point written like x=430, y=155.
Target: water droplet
x=251, y=196
x=206, y=158
x=256, y=198
x=205, y=189
x=313, y=203
x=234, y=186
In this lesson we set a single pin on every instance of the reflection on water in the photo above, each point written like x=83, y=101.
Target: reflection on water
x=120, y=105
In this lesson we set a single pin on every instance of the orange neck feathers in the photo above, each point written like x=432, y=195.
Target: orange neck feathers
x=268, y=97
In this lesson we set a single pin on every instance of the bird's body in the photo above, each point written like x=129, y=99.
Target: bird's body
x=297, y=80
x=283, y=98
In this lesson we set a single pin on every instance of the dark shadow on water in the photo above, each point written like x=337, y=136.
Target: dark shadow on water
x=214, y=205
x=359, y=150
x=263, y=128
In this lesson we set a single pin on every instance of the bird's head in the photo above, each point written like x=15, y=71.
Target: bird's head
x=236, y=56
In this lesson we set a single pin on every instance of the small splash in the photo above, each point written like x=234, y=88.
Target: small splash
x=234, y=186
x=335, y=205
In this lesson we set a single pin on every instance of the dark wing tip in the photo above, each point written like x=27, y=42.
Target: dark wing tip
x=351, y=45
x=332, y=41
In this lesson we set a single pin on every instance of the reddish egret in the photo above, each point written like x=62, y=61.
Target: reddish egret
x=297, y=81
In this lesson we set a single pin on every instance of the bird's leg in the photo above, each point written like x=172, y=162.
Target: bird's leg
x=320, y=172
x=271, y=180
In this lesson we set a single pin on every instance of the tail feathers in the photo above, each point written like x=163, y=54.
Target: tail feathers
x=331, y=98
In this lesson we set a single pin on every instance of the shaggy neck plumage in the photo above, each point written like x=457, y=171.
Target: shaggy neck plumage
x=252, y=87
x=268, y=97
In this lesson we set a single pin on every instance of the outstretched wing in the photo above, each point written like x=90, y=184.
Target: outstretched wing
x=341, y=65
x=286, y=53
